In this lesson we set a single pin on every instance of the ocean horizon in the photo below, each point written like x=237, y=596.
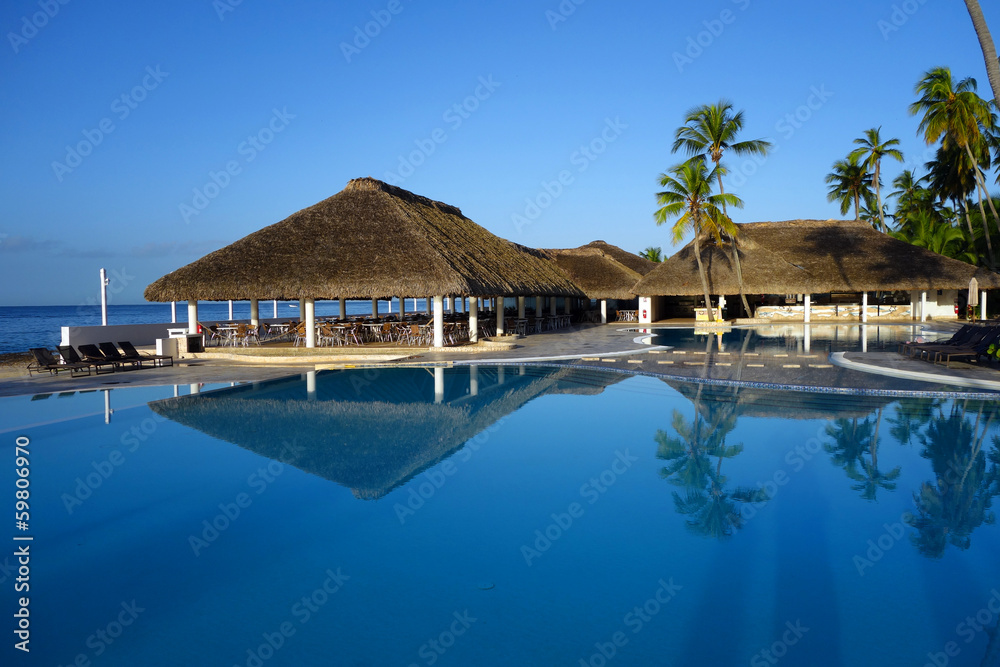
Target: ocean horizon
x=41, y=326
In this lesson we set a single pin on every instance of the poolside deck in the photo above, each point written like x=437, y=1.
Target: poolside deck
x=616, y=347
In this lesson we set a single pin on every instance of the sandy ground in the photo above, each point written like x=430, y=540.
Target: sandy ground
x=15, y=364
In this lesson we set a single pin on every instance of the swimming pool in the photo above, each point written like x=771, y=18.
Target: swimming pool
x=794, y=337
x=499, y=515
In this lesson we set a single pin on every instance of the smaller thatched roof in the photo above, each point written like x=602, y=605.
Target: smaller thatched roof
x=640, y=265
x=811, y=257
x=598, y=274
x=371, y=240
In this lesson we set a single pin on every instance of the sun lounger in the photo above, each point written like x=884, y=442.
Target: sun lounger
x=70, y=355
x=46, y=361
x=970, y=338
x=972, y=352
x=112, y=354
x=132, y=353
x=93, y=353
x=959, y=337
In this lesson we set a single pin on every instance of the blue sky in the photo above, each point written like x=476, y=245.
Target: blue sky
x=140, y=136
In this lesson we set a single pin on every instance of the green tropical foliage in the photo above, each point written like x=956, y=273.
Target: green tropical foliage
x=653, y=254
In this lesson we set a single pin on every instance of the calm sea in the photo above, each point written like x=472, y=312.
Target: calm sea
x=25, y=327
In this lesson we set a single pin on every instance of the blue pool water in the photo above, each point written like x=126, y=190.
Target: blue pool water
x=792, y=337
x=505, y=516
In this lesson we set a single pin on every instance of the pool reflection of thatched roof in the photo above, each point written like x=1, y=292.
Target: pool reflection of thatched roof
x=751, y=402
x=369, y=240
x=596, y=272
x=369, y=436
x=811, y=257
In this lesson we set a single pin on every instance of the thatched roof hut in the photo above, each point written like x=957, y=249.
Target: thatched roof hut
x=369, y=437
x=597, y=273
x=640, y=265
x=811, y=257
x=371, y=240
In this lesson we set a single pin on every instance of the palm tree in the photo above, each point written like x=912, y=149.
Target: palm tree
x=688, y=196
x=708, y=132
x=871, y=149
x=986, y=43
x=653, y=254
x=925, y=230
x=955, y=114
x=849, y=183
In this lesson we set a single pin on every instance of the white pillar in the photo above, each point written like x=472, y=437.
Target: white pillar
x=104, y=297
x=254, y=312
x=864, y=306
x=275, y=303
x=982, y=304
x=807, y=307
x=438, y=322
x=311, y=385
x=230, y=310
x=310, y=317
x=173, y=312
x=473, y=320
x=402, y=308
x=806, y=338
x=439, y=376
x=604, y=311
x=194, y=388
x=520, y=307
x=343, y=308
x=923, y=306
x=864, y=337
x=414, y=304
x=538, y=306
x=193, y=316
x=499, y=309
x=474, y=380
x=374, y=307
x=722, y=304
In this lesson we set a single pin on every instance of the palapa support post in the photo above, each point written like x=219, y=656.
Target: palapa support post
x=230, y=310
x=474, y=321
x=343, y=308
x=806, y=307
x=552, y=306
x=538, y=306
x=438, y=323
x=309, y=312
x=275, y=303
x=193, y=316
x=604, y=311
x=173, y=312
x=923, y=306
x=374, y=307
x=864, y=307
x=499, y=309
x=254, y=312
x=402, y=308
x=520, y=307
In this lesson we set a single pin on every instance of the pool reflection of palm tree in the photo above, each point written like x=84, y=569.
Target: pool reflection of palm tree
x=713, y=509
x=855, y=449
x=950, y=508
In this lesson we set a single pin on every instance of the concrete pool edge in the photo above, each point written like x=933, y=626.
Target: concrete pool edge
x=840, y=359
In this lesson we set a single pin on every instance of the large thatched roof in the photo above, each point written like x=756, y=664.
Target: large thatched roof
x=369, y=436
x=811, y=257
x=596, y=272
x=640, y=265
x=369, y=240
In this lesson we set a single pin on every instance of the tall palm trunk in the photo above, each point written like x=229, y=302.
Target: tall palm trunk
x=857, y=205
x=878, y=197
x=736, y=256
x=986, y=43
x=980, y=188
x=704, y=279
